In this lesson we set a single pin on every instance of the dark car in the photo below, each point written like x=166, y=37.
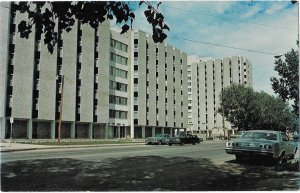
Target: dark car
x=184, y=139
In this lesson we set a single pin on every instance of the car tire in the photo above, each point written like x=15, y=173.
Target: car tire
x=293, y=155
x=159, y=143
x=280, y=159
x=170, y=144
x=181, y=143
x=194, y=143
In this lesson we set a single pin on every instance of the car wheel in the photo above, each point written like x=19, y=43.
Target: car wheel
x=293, y=155
x=159, y=143
x=194, y=143
x=170, y=144
x=280, y=159
x=181, y=143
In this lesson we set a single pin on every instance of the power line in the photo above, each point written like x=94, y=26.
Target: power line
x=224, y=46
x=219, y=45
x=242, y=21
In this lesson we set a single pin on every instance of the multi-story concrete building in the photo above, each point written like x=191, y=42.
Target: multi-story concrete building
x=107, y=87
x=206, y=81
x=159, y=87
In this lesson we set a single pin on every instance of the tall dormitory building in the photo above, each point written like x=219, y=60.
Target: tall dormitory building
x=160, y=87
x=206, y=81
x=109, y=85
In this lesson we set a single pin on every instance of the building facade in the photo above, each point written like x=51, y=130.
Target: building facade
x=159, y=87
x=102, y=84
x=206, y=81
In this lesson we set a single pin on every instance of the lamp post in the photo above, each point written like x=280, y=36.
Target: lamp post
x=60, y=108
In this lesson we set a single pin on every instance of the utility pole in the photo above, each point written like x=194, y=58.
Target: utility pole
x=61, y=108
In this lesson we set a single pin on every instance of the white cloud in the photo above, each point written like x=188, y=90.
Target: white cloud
x=195, y=25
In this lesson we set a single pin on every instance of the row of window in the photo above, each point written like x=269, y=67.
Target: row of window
x=118, y=72
x=117, y=114
x=118, y=45
x=118, y=59
x=117, y=100
x=117, y=86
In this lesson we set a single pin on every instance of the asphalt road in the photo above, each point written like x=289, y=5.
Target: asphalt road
x=210, y=150
x=201, y=167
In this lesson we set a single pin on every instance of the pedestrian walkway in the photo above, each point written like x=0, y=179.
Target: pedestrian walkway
x=7, y=146
x=11, y=146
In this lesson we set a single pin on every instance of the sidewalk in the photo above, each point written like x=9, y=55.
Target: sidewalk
x=7, y=146
x=11, y=147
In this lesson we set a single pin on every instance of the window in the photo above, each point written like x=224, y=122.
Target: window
x=118, y=59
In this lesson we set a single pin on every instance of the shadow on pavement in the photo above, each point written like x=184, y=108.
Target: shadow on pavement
x=145, y=173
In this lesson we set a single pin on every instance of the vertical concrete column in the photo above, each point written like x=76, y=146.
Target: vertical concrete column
x=185, y=131
x=153, y=131
x=106, y=131
x=52, y=132
x=171, y=132
x=125, y=132
x=163, y=130
x=119, y=132
x=132, y=131
x=73, y=130
x=29, y=129
x=143, y=132
x=2, y=127
x=90, y=131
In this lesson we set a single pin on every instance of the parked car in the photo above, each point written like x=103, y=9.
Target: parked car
x=158, y=139
x=296, y=136
x=240, y=133
x=185, y=139
x=273, y=145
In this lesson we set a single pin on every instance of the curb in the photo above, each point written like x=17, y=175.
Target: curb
x=66, y=147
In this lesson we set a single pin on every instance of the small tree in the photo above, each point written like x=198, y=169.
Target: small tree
x=248, y=110
x=287, y=84
x=271, y=113
x=237, y=103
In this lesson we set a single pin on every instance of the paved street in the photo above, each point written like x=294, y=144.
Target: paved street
x=201, y=167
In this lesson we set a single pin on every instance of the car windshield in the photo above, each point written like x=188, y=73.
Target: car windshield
x=260, y=135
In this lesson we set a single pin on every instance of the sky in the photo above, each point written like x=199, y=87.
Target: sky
x=268, y=27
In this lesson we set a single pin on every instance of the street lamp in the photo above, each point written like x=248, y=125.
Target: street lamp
x=60, y=108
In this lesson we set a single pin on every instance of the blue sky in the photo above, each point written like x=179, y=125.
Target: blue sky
x=266, y=26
